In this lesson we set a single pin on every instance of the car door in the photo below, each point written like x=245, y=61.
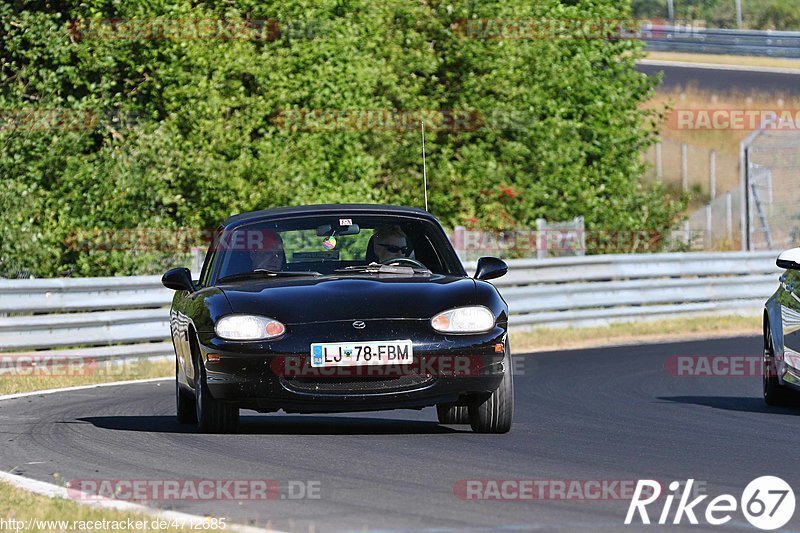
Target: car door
x=183, y=305
x=789, y=299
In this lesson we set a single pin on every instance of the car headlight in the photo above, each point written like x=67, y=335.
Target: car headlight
x=249, y=328
x=474, y=319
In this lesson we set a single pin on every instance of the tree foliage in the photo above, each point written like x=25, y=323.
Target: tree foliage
x=183, y=132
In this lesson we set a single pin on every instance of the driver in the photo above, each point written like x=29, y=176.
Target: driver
x=390, y=242
x=267, y=252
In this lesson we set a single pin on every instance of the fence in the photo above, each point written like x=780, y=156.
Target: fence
x=128, y=316
x=752, y=203
x=692, y=167
x=714, y=178
x=770, y=183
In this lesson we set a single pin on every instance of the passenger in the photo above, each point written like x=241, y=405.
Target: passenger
x=268, y=253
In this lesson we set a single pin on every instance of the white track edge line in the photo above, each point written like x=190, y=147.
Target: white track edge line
x=81, y=387
x=54, y=491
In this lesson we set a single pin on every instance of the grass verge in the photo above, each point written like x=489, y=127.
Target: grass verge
x=19, y=378
x=549, y=339
x=33, y=512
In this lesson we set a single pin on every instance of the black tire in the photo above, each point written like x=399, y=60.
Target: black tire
x=775, y=394
x=447, y=413
x=493, y=414
x=186, y=409
x=213, y=416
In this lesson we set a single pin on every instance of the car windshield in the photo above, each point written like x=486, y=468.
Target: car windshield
x=336, y=244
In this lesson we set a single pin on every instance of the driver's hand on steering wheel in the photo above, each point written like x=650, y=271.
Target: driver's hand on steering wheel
x=404, y=261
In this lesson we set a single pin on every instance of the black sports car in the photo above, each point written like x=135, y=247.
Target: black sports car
x=335, y=308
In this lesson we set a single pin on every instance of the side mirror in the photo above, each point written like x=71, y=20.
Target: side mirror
x=789, y=259
x=178, y=279
x=490, y=268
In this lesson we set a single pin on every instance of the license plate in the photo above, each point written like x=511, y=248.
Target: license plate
x=326, y=354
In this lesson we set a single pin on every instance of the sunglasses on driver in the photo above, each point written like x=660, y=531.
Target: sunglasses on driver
x=405, y=250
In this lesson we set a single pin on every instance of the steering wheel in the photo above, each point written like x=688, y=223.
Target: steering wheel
x=403, y=261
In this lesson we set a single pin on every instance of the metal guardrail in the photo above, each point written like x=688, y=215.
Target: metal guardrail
x=110, y=317
x=768, y=43
x=600, y=289
x=128, y=316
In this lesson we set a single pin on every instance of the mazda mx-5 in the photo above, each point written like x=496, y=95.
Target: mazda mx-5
x=339, y=308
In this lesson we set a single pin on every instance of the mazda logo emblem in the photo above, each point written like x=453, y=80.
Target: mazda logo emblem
x=359, y=324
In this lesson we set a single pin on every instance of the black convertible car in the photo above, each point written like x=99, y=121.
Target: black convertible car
x=336, y=308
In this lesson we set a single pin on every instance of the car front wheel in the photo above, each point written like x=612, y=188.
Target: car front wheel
x=213, y=416
x=493, y=414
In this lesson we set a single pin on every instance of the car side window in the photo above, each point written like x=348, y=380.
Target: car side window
x=426, y=253
x=205, y=272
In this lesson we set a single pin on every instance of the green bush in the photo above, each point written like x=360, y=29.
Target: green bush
x=185, y=132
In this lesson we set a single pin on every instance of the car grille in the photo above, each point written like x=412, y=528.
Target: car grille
x=356, y=385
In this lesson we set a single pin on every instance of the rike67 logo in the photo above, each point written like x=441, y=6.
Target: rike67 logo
x=767, y=503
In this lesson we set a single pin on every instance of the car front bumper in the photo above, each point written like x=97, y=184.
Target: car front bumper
x=272, y=376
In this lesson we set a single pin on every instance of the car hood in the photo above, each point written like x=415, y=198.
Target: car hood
x=303, y=300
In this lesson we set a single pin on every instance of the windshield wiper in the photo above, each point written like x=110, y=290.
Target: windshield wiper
x=262, y=272
x=377, y=268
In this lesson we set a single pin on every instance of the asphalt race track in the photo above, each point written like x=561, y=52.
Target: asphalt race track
x=725, y=81
x=600, y=414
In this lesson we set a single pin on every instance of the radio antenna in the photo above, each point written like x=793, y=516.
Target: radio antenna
x=424, y=166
